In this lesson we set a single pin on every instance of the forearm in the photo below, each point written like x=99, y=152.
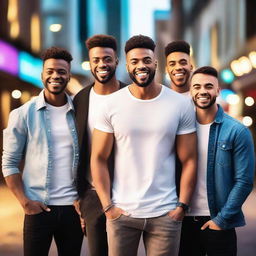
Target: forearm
x=188, y=181
x=101, y=180
x=15, y=184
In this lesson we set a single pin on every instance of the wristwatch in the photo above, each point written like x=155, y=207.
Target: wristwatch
x=185, y=207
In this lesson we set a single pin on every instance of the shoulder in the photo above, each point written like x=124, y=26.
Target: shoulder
x=82, y=93
x=234, y=125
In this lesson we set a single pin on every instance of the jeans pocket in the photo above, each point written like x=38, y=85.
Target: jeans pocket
x=177, y=221
x=115, y=219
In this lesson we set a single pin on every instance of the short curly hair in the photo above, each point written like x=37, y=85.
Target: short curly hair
x=206, y=70
x=177, y=46
x=101, y=40
x=56, y=53
x=139, y=41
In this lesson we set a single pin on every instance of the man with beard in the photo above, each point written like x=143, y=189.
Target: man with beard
x=144, y=200
x=43, y=132
x=225, y=174
x=103, y=62
x=178, y=65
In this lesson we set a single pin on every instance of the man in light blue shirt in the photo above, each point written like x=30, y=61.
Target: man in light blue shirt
x=43, y=133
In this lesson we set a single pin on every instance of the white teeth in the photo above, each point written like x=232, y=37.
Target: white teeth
x=54, y=83
x=102, y=72
x=179, y=74
x=202, y=98
x=141, y=74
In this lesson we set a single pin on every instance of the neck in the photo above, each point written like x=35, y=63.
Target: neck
x=107, y=88
x=182, y=89
x=145, y=93
x=206, y=116
x=55, y=100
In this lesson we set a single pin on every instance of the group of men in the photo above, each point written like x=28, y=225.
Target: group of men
x=106, y=164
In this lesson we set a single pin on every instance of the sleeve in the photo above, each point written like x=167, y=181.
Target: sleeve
x=14, y=142
x=103, y=120
x=243, y=158
x=188, y=117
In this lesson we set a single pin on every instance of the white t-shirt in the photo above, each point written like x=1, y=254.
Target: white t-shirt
x=145, y=132
x=62, y=188
x=199, y=202
x=95, y=103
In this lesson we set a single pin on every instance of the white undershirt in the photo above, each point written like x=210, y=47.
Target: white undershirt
x=145, y=133
x=62, y=188
x=95, y=103
x=199, y=202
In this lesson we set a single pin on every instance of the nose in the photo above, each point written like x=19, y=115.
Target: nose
x=102, y=64
x=55, y=75
x=141, y=65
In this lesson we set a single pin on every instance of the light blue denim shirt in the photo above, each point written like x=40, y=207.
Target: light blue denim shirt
x=230, y=170
x=28, y=136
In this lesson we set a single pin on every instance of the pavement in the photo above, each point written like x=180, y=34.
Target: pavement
x=11, y=222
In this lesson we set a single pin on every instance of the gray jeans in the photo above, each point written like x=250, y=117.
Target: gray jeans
x=161, y=235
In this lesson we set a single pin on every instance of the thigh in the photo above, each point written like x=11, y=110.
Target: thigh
x=162, y=236
x=91, y=211
x=97, y=236
x=190, y=239
x=124, y=235
x=220, y=242
x=37, y=233
x=68, y=234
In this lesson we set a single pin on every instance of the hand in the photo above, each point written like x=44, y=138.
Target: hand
x=177, y=214
x=77, y=208
x=34, y=207
x=211, y=225
x=114, y=212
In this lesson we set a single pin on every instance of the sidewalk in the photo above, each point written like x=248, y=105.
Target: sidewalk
x=11, y=221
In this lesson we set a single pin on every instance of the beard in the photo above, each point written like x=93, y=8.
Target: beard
x=212, y=102
x=107, y=78
x=151, y=76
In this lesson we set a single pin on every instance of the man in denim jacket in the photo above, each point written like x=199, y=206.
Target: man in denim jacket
x=43, y=132
x=225, y=174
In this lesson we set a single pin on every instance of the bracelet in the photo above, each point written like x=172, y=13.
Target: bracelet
x=108, y=207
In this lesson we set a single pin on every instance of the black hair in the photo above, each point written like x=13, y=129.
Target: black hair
x=56, y=53
x=177, y=46
x=139, y=41
x=101, y=41
x=207, y=70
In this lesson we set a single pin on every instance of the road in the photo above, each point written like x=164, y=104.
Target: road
x=11, y=219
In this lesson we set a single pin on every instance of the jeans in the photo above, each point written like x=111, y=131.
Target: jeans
x=197, y=242
x=91, y=211
x=62, y=223
x=161, y=235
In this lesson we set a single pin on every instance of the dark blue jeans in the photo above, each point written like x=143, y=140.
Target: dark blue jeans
x=197, y=242
x=62, y=223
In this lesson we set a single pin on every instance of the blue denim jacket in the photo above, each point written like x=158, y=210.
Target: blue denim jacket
x=28, y=136
x=230, y=170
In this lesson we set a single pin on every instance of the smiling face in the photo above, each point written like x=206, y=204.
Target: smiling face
x=55, y=76
x=178, y=67
x=103, y=62
x=141, y=66
x=204, y=90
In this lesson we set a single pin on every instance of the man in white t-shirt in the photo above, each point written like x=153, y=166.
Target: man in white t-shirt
x=103, y=63
x=43, y=132
x=225, y=174
x=142, y=122
x=178, y=65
